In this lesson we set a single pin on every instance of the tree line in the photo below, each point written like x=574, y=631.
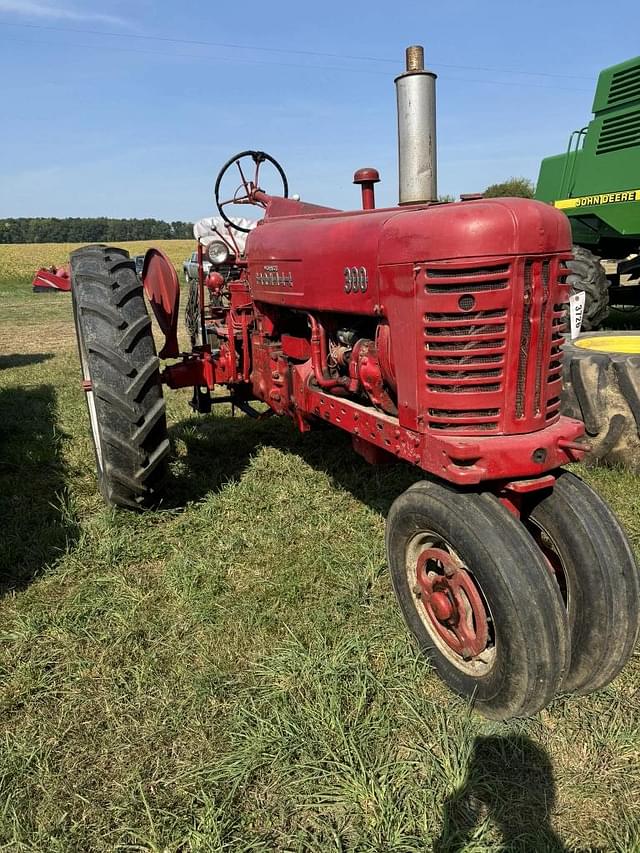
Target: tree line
x=91, y=230
x=104, y=230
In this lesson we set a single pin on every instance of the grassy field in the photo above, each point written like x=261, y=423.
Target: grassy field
x=231, y=673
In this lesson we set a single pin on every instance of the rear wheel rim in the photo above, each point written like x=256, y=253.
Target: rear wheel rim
x=613, y=344
x=87, y=385
x=450, y=604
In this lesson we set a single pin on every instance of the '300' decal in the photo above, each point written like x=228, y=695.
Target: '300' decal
x=355, y=280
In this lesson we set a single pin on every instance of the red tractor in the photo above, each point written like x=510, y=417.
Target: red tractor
x=431, y=333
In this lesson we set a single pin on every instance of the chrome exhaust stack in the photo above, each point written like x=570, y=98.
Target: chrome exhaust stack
x=417, y=162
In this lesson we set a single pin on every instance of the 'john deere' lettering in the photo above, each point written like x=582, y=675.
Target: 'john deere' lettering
x=602, y=198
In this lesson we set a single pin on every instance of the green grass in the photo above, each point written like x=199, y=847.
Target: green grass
x=231, y=672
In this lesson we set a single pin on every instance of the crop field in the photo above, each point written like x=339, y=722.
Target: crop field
x=230, y=672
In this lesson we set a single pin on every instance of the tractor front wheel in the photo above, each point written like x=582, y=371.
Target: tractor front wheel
x=598, y=577
x=477, y=593
x=121, y=378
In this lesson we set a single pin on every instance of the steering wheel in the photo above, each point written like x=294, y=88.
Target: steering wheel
x=253, y=160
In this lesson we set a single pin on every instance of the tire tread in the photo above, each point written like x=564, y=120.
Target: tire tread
x=116, y=329
x=603, y=390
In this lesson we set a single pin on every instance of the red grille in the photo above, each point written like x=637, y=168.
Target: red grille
x=554, y=372
x=492, y=343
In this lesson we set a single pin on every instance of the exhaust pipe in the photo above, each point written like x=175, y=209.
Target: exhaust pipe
x=417, y=164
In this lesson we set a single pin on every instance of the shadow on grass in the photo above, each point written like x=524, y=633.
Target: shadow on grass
x=36, y=524
x=23, y=359
x=218, y=449
x=510, y=784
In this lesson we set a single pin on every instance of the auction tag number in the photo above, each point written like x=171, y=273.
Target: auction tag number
x=576, y=311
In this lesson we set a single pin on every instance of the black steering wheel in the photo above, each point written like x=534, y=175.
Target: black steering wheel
x=247, y=187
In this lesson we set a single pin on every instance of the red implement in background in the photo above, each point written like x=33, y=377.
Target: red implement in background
x=52, y=279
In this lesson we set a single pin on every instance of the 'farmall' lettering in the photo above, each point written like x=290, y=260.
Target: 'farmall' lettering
x=272, y=278
x=601, y=198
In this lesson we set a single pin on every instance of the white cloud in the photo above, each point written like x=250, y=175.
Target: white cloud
x=27, y=8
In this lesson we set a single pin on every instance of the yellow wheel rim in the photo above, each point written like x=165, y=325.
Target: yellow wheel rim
x=628, y=344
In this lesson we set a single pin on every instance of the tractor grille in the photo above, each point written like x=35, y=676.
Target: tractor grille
x=619, y=132
x=554, y=372
x=625, y=86
x=492, y=338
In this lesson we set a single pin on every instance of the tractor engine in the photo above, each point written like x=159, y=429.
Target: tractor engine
x=448, y=317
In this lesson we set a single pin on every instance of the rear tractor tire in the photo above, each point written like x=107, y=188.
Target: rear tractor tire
x=121, y=377
x=477, y=593
x=602, y=389
x=588, y=275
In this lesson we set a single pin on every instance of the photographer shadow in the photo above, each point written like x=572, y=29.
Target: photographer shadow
x=510, y=785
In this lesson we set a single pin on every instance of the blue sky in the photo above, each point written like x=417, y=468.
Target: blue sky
x=99, y=121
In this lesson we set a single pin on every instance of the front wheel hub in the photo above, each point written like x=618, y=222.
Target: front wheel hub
x=452, y=602
x=442, y=606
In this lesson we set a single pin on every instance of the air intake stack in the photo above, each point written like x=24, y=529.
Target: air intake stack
x=417, y=164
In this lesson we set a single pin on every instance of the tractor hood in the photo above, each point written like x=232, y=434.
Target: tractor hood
x=315, y=261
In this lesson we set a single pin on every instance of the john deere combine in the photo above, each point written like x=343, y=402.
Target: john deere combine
x=597, y=184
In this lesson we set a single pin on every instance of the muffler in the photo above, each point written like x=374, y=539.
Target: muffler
x=417, y=163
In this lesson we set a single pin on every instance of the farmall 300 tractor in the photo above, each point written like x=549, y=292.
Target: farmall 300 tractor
x=429, y=332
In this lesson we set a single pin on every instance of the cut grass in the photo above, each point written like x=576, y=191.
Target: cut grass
x=231, y=672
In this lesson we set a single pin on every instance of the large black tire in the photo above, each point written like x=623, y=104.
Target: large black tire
x=602, y=389
x=588, y=274
x=121, y=376
x=598, y=577
x=527, y=650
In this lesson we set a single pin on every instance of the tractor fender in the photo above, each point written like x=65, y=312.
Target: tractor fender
x=162, y=289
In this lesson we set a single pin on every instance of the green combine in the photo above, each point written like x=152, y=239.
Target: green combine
x=597, y=184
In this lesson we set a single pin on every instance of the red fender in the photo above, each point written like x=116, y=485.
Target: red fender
x=161, y=286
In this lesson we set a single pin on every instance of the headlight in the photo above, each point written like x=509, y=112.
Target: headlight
x=218, y=252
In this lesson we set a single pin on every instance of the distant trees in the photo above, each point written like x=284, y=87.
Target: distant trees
x=96, y=230
x=518, y=187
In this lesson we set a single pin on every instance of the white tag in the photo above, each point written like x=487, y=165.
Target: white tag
x=576, y=310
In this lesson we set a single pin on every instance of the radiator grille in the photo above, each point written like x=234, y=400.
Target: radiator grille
x=457, y=419
x=525, y=338
x=494, y=367
x=619, y=132
x=464, y=349
x=540, y=350
x=470, y=274
x=554, y=373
